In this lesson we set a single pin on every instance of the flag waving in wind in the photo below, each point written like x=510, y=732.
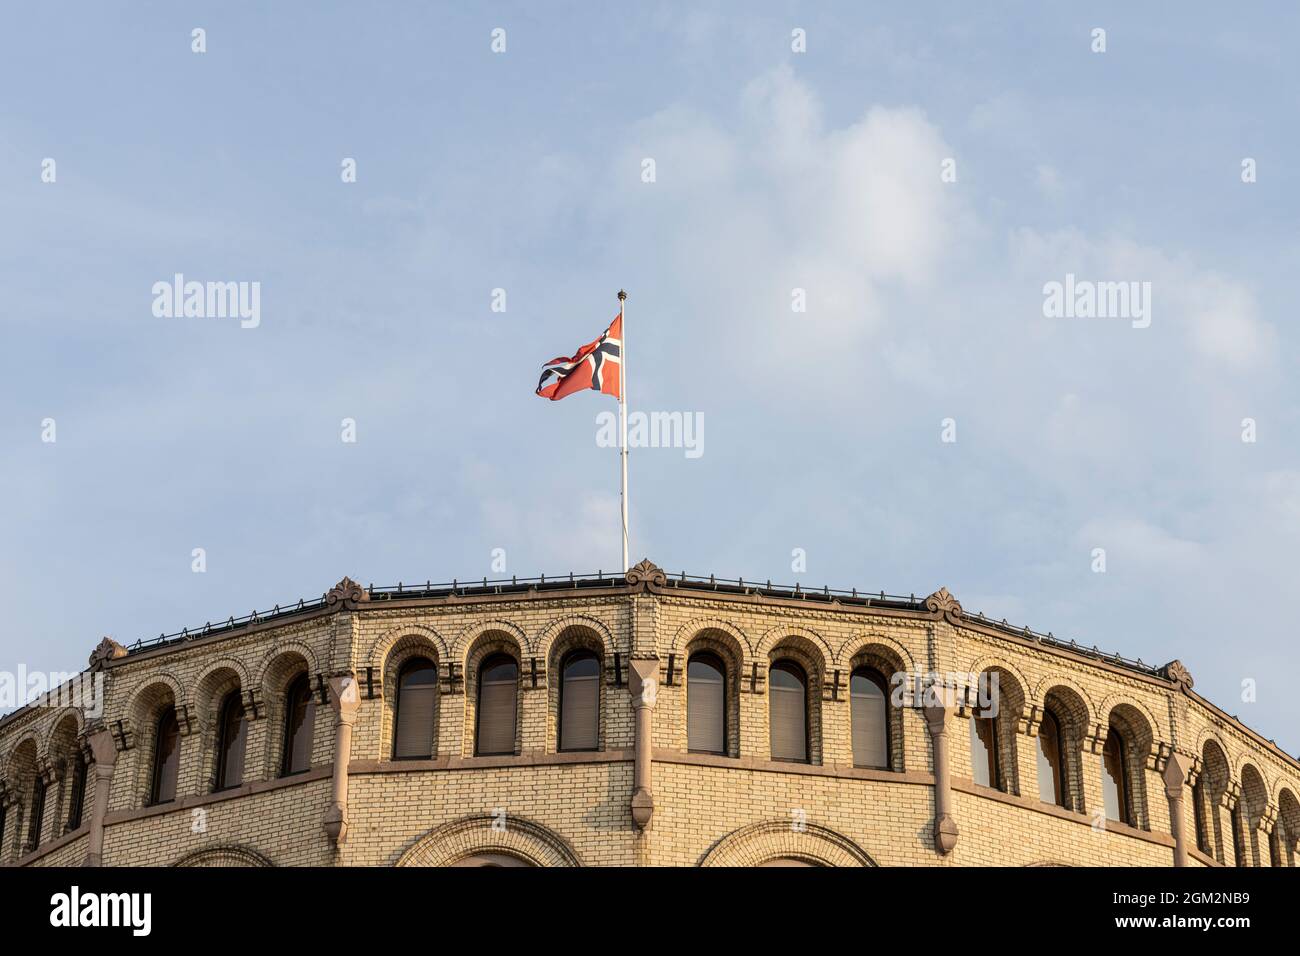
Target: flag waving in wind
x=598, y=366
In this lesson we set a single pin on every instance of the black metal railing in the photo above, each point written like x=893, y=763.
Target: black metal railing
x=573, y=581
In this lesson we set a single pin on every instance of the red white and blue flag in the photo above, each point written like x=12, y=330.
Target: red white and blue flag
x=598, y=367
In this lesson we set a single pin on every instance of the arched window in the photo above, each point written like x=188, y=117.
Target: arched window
x=869, y=706
x=38, y=812
x=299, y=725
x=984, y=749
x=1114, y=778
x=166, y=758
x=232, y=732
x=417, y=702
x=77, y=799
x=579, y=702
x=706, y=704
x=788, y=711
x=491, y=860
x=498, y=688
x=1051, y=762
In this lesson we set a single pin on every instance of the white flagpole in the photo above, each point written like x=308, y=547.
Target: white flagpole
x=622, y=415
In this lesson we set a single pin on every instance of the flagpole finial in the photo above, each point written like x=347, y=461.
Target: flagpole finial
x=621, y=295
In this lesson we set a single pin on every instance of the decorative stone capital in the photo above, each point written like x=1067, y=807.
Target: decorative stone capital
x=106, y=650
x=1179, y=674
x=253, y=707
x=642, y=682
x=944, y=606
x=1094, y=738
x=936, y=718
x=345, y=696
x=346, y=595
x=451, y=678
x=1031, y=718
x=1177, y=769
x=1231, y=795
x=103, y=749
x=646, y=575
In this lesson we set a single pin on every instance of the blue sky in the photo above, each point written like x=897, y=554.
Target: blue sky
x=774, y=170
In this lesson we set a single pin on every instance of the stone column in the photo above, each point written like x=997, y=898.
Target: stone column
x=1175, y=776
x=643, y=682
x=345, y=699
x=945, y=827
x=104, y=751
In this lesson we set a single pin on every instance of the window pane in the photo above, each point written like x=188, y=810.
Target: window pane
x=230, y=752
x=706, y=705
x=870, y=719
x=497, y=692
x=1050, y=780
x=580, y=702
x=38, y=813
x=78, y=791
x=417, y=700
x=984, y=750
x=300, y=720
x=788, y=712
x=167, y=757
x=1113, y=783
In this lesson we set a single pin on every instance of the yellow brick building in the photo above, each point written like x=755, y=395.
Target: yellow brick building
x=637, y=720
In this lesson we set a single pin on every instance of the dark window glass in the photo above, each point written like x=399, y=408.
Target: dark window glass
x=417, y=702
x=580, y=702
x=38, y=813
x=869, y=706
x=166, y=758
x=984, y=750
x=299, y=725
x=1051, y=764
x=788, y=711
x=78, y=795
x=232, y=734
x=1198, y=813
x=498, y=688
x=706, y=704
x=2, y=825
x=1114, y=778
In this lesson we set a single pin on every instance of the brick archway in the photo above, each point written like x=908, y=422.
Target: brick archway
x=760, y=843
x=224, y=856
x=517, y=837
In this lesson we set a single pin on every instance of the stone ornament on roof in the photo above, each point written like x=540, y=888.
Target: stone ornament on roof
x=106, y=650
x=1178, y=673
x=942, y=604
x=647, y=574
x=346, y=595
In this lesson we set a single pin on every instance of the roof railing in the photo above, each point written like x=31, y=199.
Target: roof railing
x=573, y=581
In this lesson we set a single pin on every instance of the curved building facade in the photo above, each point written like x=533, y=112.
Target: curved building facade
x=642, y=720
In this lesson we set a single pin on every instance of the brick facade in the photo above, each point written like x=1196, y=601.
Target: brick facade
x=641, y=798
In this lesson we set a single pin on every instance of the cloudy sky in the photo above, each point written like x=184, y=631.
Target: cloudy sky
x=774, y=170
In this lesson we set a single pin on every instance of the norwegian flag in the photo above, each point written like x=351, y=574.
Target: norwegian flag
x=598, y=366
